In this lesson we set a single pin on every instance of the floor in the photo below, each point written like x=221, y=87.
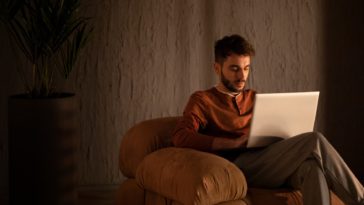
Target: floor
x=100, y=195
x=88, y=195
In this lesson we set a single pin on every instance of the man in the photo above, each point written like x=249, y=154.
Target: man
x=217, y=120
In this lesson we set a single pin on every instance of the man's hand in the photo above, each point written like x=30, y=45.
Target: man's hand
x=241, y=141
x=222, y=143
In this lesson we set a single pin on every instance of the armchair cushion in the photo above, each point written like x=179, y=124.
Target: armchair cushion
x=142, y=139
x=191, y=177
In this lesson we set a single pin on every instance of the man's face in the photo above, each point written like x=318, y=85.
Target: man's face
x=234, y=72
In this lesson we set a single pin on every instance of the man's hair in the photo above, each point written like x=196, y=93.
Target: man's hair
x=233, y=44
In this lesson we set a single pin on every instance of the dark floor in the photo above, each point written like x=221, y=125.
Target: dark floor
x=88, y=195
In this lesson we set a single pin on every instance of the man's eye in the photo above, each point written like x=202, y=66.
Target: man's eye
x=234, y=68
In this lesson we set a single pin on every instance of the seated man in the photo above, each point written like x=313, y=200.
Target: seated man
x=217, y=120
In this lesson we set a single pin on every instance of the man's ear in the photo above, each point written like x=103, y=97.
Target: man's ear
x=217, y=68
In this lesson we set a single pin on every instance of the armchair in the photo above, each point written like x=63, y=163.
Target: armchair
x=160, y=174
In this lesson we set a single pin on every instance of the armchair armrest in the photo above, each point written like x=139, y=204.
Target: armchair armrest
x=191, y=177
x=142, y=139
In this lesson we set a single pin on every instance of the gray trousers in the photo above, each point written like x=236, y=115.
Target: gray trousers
x=307, y=162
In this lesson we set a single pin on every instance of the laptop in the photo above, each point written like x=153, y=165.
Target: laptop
x=278, y=116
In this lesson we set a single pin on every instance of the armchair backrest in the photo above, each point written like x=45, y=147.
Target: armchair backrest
x=143, y=139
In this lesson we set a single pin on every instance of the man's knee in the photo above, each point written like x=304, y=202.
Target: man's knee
x=316, y=136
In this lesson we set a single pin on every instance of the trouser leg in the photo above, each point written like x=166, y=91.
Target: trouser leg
x=338, y=175
x=310, y=180
x=272, y=166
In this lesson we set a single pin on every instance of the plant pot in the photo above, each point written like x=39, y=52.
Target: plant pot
x=43, y=150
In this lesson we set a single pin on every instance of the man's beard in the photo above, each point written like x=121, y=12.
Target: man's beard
x=229, y=85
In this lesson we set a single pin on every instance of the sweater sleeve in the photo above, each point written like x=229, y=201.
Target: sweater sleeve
x=186, y=131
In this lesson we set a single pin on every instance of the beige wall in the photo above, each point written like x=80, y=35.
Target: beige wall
x=147, y=57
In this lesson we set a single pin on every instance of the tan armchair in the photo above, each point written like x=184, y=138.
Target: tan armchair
x=159, y=173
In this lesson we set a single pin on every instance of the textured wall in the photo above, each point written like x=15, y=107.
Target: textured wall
x=145, y=61
x=147, y=57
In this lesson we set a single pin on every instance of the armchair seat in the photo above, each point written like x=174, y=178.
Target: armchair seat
x=160, y=174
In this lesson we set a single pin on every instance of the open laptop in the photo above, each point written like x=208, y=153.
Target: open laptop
x=282, y=115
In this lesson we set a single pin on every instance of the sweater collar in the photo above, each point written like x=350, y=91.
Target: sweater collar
x=221, y=88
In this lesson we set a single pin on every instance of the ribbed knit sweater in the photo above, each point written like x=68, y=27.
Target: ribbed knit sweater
x=212, y=113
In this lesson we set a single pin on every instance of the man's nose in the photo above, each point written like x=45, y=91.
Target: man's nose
x=240, y=74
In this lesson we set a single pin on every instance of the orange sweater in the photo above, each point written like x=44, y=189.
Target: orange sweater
x=211, y=113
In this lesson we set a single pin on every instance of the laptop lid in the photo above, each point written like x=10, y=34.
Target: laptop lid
x=282, y=115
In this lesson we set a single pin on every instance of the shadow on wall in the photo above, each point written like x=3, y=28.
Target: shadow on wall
x=344, y=53
x=9, y=84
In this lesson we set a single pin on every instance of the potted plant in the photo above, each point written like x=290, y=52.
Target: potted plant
x=43, y=122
